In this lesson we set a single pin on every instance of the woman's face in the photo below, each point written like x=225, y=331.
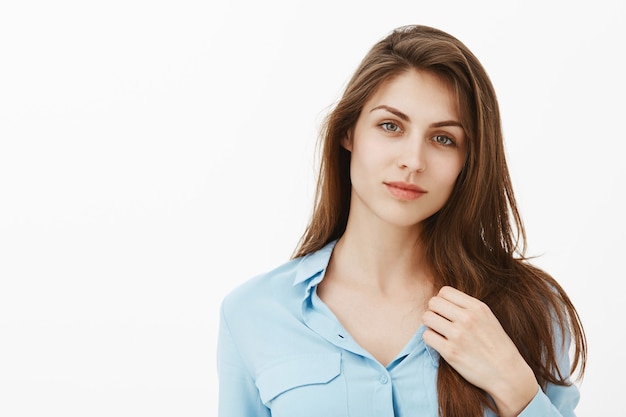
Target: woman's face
x=407, y=149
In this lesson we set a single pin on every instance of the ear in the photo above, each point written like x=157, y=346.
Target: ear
x=346, y=141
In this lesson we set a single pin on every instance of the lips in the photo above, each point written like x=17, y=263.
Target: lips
x=404, y=190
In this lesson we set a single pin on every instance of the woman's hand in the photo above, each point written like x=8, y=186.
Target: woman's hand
x=470, y=338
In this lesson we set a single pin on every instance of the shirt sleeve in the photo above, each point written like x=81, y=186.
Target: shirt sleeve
x=238, y=394
x=560, y=404
x=556, y=400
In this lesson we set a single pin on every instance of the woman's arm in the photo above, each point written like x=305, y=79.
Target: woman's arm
x=238, y=394
x=470, y=338
x=557, y=400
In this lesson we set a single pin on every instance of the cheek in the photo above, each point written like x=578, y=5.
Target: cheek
x=447, y=177
x=449, y=168
x=457, y=164
x=368, y=155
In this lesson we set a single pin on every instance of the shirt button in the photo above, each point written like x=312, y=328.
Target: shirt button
x=384, y=379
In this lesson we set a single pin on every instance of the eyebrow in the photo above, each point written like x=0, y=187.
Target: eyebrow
x=406, y=118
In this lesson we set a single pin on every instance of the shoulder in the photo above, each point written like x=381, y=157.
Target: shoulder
x=267, y=287
x=262, y=310
x=271, y=302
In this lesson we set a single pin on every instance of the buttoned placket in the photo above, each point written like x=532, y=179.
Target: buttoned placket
x=320, y=319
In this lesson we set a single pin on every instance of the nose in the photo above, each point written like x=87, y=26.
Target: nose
x=413, y=155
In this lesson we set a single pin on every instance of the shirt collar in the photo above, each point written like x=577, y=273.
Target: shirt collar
x=313, y=265
x=312, y=268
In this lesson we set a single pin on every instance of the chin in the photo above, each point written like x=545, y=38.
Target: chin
x=404, y=222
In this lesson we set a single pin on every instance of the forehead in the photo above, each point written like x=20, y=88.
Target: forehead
x=419, y=91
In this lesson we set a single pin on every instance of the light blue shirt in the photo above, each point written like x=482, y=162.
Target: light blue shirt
x=283, y=353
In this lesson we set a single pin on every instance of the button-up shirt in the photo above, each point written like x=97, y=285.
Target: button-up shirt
x=283, y=353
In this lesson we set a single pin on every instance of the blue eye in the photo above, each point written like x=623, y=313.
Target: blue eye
x=443, y=140
x=390, y=127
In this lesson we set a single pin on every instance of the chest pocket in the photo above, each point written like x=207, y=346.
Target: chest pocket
x=304, y=385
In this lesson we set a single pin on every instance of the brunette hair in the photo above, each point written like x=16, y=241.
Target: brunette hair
x=476, y=242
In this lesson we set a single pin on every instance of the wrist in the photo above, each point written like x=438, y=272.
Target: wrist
x=513, y=394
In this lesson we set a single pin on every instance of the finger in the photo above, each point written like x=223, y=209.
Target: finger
x=437, y=323
x=456, y=297
x=445, y=308
x=434, y=340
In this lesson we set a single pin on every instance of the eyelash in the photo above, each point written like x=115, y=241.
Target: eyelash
x=448, y=141
x=385, y=127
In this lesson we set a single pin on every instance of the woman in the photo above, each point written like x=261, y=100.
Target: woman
x=408, y=294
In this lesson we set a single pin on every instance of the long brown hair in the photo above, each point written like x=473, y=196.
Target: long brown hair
x=476, y=242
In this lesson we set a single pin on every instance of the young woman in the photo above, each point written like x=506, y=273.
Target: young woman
x=409, y=294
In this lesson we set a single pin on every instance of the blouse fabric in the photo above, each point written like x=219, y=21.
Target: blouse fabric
x=283, y=353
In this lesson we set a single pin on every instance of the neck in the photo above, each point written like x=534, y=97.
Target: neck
x=385, y=259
